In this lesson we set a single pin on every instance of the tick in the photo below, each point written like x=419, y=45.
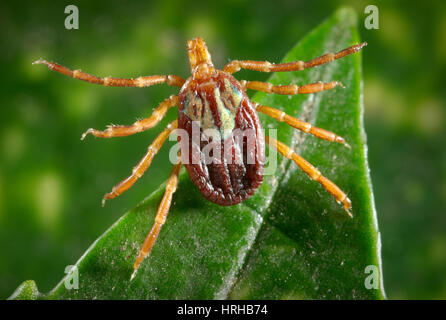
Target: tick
x=215, y=104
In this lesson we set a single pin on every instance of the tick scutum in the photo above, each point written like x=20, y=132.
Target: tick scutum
x=223, y=148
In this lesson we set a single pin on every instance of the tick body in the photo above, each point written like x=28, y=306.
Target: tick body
x=222, y=143
x=220, y=107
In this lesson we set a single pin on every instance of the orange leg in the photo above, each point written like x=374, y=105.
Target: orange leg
x=145, y=81
x=300, y=125
x=160, y=218
x=313, y=173
x=290, y=89
x=138, y=126
x=266, y=66
x=143, y=165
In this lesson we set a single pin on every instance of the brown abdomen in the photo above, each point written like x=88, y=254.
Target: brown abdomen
x=221, y=139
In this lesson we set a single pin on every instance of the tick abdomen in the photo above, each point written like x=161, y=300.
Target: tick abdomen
x=222, y=145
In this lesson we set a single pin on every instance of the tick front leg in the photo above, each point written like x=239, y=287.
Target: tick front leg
x=265, y=66
x=313, y=173
x=143, y=165
x=300, y=125
x=160, y=218
x=144, y=81
x=139, y=126
x=289, y=89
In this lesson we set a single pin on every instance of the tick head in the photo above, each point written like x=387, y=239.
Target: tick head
x=200, y=59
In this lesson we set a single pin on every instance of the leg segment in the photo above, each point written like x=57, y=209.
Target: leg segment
x=290, y=89
x=142, y=166
x=160, y=218
x=145, y=81
x=266, y=66
x=313, y=173
x=300, y=125
x=138, y=126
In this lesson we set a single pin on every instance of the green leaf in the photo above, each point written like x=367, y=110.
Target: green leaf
x=290, y=240
x=26, y=291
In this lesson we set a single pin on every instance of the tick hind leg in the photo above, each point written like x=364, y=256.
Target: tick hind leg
x=312, y=172
x=143, y=165
x=144, y=81
x=265, y=66
x=300, y=125
x=139, y=126
x=160, y=217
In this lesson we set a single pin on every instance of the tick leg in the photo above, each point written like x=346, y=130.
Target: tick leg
x=266, y=66
x=290, y=89
x=160, y=218
x=300, y=125
x=312, y=172
x=138, y=126
x=144, y=81
x=142, y=166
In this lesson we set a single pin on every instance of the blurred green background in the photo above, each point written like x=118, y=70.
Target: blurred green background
x=51, y=183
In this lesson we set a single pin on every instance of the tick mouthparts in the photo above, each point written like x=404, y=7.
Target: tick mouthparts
x=198, y=53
